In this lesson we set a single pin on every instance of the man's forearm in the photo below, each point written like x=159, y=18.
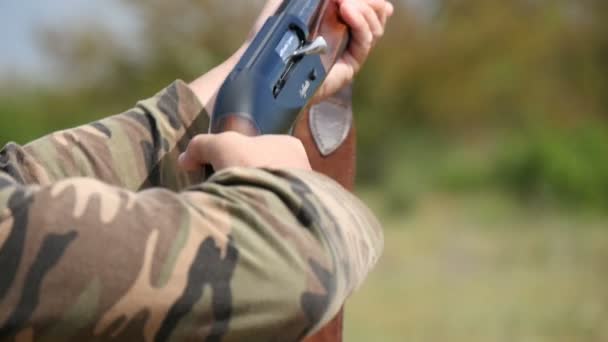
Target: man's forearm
x=133, y=149
x=206, y=86
x=248, y=253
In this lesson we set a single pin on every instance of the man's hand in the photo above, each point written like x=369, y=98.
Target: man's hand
x=231, y=149
x=367, y=20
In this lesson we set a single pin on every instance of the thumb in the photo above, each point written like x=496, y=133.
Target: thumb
x=197, y=154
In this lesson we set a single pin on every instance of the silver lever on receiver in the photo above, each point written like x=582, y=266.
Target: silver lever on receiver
x=316, y=47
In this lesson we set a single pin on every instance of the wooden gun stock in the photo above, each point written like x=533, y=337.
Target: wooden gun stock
x=340, y=165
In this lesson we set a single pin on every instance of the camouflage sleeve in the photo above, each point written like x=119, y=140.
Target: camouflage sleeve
x=136, y=149
x=248, y=255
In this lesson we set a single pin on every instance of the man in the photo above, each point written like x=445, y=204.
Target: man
x=105, y=235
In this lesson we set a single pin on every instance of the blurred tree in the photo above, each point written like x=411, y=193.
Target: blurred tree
x=480, y=62
x=180, y=39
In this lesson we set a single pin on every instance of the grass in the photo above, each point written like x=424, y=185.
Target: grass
x=482, y=269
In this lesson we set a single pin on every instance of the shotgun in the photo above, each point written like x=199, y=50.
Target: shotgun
x=269, y=91
x=284, y=66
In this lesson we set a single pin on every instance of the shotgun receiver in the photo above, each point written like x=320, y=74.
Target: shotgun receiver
x=281, y=70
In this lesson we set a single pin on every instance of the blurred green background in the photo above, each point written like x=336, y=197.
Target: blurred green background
x=483, y=128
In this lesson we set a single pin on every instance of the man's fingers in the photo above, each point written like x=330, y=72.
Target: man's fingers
x=197, y=153
x=339, y=76
x=387, y=12
x=373, y=16
x=379, y=6
x=362, y=37
x=232, y=149
x=390, y=9
x=367, y=21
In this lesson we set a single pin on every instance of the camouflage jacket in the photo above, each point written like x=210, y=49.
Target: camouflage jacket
x=101, y=237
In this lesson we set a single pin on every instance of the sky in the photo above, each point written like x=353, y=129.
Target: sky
x=20, y=18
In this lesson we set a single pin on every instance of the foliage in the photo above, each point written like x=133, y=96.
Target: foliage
x=571, y=166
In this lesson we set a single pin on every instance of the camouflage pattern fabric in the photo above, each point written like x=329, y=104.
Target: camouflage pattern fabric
x=102, y=238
